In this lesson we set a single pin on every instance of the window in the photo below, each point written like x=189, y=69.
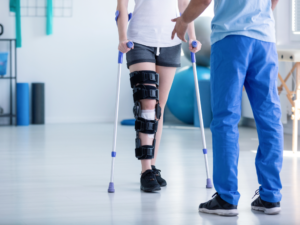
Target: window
x=295, y=20
x=209, y=11
x=296, y=16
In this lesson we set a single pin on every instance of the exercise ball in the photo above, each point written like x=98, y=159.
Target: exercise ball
x=182, y=93
x=203, y=31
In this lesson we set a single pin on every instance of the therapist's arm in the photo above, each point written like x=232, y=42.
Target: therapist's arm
x=182, y=5
x=193, y=10
x=274, y=3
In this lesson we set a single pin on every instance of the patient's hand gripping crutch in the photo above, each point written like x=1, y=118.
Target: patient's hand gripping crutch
x=111, y=188
x=193, y=58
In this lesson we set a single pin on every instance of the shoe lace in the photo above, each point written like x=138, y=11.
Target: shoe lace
x=215, y=194
x=256, y=193
x=149, y=174
x=156, y=171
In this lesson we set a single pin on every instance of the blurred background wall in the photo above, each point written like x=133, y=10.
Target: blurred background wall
x=78, y=63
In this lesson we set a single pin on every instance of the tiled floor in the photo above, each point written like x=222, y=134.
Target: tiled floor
x=59, y=174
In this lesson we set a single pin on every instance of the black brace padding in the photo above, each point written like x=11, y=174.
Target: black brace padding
x=146, y=126
x=144, y=152
x=144, y=77
x=145, y=92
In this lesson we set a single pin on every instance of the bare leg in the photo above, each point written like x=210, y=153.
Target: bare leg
x=166, y=77
x=146, y=105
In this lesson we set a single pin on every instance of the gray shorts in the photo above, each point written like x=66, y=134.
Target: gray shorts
x=168, y=56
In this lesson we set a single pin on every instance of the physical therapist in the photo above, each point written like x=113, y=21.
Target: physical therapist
x=243, y=53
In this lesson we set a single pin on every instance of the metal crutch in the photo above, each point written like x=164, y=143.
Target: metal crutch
x=111, y=187
x=193, y=58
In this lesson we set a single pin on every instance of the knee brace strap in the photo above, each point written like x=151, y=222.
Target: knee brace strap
x=144, y=77
x=144, y=152
x=146, y=126
x=145, y=92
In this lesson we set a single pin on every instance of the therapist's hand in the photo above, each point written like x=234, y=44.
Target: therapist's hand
x=198, y=48
x=180, y=28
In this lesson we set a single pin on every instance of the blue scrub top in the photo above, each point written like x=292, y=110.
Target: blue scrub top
x=251, y=18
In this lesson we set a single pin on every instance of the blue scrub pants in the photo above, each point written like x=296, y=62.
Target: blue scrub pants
x=238, y=61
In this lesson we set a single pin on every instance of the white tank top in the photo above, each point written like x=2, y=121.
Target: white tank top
x=151, y=23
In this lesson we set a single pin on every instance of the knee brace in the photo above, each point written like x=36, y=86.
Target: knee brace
x=141, y=90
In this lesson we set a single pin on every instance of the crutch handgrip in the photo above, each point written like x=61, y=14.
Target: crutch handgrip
x=193, y=57
x=129, y=44
x=194, y=44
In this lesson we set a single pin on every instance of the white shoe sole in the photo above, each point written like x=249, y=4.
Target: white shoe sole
x=271, y=211
x=221, y=212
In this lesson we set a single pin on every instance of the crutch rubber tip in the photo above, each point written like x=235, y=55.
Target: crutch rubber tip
x=208, y=183
x=111, y=188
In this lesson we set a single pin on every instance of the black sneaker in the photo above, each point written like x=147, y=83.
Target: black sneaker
x=149, y=182
x=269, y=208
x=218, y=206
x=162, y=182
